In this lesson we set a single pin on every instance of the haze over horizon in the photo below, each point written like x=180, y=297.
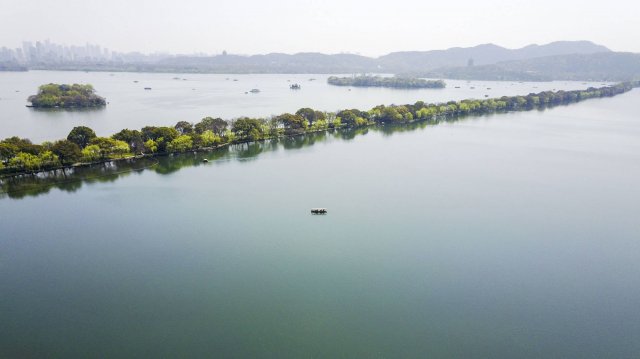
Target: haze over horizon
x=254, y=27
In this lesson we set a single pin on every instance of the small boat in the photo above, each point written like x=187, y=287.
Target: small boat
x=254, y=90
x=473, y=88
x=147, y=88
x=318, y=211
x=295, y=87
x=135, y=81
x=204, y=160
x=457, y=87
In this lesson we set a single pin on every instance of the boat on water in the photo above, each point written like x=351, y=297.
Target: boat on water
x=147, y=88
x=318, y=211
x=254, y=90
x=295, y=87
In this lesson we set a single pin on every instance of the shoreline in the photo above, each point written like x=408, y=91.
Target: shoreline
x=351, y=119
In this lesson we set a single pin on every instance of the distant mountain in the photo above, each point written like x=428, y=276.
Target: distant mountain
x=534, y=62
x=480, y=55
x=603, y=66
x=395, y=62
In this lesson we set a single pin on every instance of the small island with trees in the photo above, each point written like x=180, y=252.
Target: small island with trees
x=379, y=81
x=66, y=96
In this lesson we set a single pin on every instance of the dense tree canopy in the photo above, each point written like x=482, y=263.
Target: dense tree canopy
x=184, y=127
x=68, y=152
x=216, y=125
x=378, y=81
x=81, y=135
x=66, y=96
x=250, y=129
x=133, y=138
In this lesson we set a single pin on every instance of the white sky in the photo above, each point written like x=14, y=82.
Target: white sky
x=369, y=27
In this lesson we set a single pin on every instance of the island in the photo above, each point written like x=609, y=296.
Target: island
x=66, y=96
x=82, y=147
x=379, y=81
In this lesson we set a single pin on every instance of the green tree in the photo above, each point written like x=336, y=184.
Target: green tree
x=120, y=148
x=351, y=118
x=209, y=138
x=7, y=150
x=91, y=153
x=308, y=114
x=151, y=146
x=184, y=127
x=25, y=162
x=67, y=151
x=217, y=125
x=81, y=136
x=108, y=146
x=131, y=137
x=148, y=133
x=180, y=144
x=22, y=145
x=293, y=124
x=48, y=159
x=248, y=129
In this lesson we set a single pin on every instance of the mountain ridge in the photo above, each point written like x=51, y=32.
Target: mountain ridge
x=394, y=62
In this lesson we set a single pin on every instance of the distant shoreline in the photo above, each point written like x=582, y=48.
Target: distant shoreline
x=394, y=82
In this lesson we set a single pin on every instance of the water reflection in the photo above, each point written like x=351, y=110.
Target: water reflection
x=70, y=180
x=63, y=110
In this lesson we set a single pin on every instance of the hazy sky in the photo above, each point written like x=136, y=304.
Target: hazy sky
x=369, y=27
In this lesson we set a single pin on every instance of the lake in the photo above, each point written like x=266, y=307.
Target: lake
x=194, y=96
x=505, y=236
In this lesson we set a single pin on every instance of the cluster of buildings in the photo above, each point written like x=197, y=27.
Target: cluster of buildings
x=46, y=52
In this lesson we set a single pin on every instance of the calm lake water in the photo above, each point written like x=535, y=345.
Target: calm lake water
x=198, y=96
x=509, y=236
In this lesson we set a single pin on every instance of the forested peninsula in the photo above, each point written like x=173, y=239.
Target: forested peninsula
x=379, y=81
x=83, y=147
x=66, y=96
